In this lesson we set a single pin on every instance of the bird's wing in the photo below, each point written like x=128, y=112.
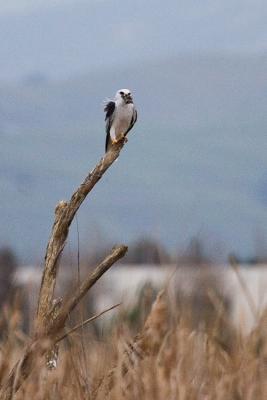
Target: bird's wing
x=109, y=110
x=133, y=121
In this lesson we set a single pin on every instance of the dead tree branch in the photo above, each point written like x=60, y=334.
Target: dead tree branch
x=49, y=330
x=64, y=214
x=69, y=304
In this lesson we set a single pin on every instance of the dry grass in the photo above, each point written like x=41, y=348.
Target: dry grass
x=168, y=359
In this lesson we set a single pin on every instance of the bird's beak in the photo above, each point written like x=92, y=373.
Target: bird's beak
x=128, y=99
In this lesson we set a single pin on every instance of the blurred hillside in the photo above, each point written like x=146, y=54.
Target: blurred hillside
x=195, y=162
x=64, y=37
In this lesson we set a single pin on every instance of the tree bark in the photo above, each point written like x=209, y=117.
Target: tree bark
x=64, y=214
x=48, y=329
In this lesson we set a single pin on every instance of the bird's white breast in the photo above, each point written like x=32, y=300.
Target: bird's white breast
x=122, y=119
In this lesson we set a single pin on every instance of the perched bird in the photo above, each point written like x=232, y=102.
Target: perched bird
x=121, y=116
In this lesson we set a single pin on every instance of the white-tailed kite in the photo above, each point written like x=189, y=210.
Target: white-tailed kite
x=121, y=116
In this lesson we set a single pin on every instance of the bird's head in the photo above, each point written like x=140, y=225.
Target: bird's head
x=124, y=96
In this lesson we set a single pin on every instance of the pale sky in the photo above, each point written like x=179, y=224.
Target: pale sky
x=25, y=6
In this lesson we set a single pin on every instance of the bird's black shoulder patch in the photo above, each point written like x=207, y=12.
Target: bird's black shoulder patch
x=109, y=109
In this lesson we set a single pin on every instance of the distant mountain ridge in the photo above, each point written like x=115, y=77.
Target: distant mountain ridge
x=66, y=38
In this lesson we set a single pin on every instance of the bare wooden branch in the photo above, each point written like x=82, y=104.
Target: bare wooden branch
x=69, y=304
x=48, y=328
x=49, y=325
x=64, y=214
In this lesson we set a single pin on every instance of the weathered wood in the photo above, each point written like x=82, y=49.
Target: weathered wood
x=64, y=214
x=47, y=328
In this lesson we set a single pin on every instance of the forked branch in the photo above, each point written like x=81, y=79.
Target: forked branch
x=64, y=214
x=70, y=303
x=49, y=331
